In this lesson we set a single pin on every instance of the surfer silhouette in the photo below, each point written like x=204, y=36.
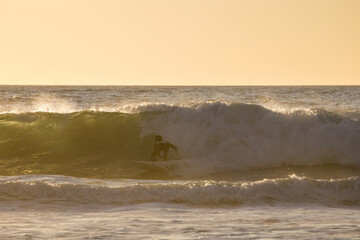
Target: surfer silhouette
x=161, y=148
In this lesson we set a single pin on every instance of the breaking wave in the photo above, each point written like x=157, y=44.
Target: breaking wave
x=212, y=137
x=292, y=189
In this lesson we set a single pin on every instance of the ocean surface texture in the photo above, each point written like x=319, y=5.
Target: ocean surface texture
x=252, y=162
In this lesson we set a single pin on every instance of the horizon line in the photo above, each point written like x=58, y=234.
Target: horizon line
x=158, y=85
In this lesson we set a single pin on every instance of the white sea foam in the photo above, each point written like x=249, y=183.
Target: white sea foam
x=241, y=136
x=292, y=189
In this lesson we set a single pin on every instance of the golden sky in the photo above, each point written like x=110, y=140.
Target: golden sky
x=180, y=42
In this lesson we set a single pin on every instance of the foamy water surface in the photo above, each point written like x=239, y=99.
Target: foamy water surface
x=252, y=162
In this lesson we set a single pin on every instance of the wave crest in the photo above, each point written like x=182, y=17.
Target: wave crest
x=213, y=137
x=292, y=189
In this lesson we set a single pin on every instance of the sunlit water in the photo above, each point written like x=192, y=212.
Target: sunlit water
x=252, y=163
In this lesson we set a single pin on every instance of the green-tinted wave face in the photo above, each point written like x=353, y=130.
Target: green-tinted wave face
x=212, y=138
x=85, y=143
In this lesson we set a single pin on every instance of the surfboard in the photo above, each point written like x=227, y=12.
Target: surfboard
x=166, y=165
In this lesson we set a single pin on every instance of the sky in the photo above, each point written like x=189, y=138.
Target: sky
x=180, y=42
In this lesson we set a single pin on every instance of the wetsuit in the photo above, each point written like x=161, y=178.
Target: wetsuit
x=161, y=149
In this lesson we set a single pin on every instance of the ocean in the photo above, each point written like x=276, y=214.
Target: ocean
x=251, y=162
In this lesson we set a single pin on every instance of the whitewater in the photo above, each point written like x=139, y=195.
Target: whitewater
x=252, y=162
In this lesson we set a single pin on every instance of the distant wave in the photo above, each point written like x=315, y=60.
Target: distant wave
x=292, y=189
x=212, y=137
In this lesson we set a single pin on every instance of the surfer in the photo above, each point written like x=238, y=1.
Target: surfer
x=161, y=148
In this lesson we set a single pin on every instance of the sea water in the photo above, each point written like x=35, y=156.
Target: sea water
x=252, y=162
